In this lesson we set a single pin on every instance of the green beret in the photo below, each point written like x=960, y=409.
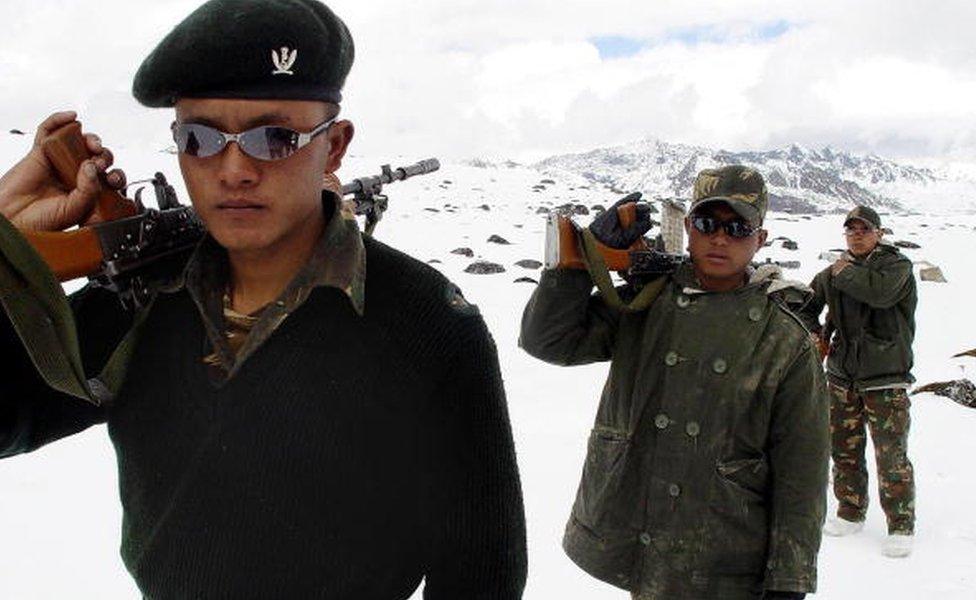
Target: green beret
x=253, y=49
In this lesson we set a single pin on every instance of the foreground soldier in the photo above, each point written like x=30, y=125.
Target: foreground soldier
x=307, y=412
x=706, y=469
x=871, y=297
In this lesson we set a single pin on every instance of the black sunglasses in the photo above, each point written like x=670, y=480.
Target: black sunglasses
x=269, y=142
x=736, y=228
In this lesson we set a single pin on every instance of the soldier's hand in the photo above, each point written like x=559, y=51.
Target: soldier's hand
x=839, y=265
x=33, y=198
x=607, y=227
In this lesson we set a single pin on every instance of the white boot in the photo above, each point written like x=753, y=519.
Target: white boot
x=898, y=545
x=838, y=527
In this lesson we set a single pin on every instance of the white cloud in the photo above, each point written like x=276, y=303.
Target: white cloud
x=507, y=78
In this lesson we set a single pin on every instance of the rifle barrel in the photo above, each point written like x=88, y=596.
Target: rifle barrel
x=375, y=182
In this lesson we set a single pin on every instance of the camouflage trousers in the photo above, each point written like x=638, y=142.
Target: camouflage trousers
x=886, y=414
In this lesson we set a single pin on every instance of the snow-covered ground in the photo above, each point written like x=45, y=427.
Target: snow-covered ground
x=59, y=510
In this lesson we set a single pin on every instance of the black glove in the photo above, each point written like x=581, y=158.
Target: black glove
x=606, y=227
x=771, y=595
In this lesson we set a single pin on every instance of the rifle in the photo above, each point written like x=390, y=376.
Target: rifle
x=134, y=249
x=643, y=260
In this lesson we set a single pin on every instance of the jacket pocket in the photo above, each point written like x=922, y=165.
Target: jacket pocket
x=881, y=356
x=739, y=533
x=606, y=455
x=750, y=475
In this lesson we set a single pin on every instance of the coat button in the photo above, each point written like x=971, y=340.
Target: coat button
x=683, y=301
x=755, y=313
x=720, y=366
x=645, y=538
x=662, y=421
x=674, y=490
x=671, y=358
x=692, y=429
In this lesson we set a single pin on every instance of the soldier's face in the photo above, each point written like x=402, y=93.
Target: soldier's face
x=862, y=238
x=261, y=207
x=720, y=260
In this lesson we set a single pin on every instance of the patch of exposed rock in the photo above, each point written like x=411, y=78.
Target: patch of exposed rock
x=483, y=267
x=528, y=263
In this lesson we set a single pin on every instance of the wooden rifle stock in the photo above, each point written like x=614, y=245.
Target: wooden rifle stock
x=75, y=253
x=562, y=245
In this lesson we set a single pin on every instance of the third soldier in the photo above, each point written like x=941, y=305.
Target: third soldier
x=871, y=297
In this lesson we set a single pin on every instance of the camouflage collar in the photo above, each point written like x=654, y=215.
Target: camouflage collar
x=338, y=260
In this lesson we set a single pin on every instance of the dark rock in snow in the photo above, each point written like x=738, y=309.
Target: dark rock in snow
x=463, y=252
x=525, y=280
x=790, y=245
x=932, y=274
x=497, y=239
x=434, y=261
x=482, y=267
x=433, y=210
x=542, y=210
x=960, y=391
x=906, y=244
x=17, y=132
x=573, y=209
x=528, y=263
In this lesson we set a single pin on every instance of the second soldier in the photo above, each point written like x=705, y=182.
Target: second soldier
x=706, y=468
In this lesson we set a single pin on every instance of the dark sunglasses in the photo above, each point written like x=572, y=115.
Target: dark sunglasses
x=269, y=142
x=858, y=231
x=736, y=228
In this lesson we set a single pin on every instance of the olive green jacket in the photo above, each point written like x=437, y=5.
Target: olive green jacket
x=706, y=469
x=871, y=308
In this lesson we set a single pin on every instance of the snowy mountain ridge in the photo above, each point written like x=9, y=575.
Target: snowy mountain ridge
x=800, y=180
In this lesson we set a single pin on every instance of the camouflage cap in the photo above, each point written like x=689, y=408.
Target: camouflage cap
x=742, y=188
x=866, y=214
x=253, y=49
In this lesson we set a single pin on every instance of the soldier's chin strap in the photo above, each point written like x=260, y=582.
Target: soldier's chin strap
x=600, y=275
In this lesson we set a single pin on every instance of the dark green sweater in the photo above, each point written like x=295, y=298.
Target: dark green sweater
x=349, y=458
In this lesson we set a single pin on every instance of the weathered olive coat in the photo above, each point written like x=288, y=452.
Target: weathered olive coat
x=871, y=305
x=706, y=469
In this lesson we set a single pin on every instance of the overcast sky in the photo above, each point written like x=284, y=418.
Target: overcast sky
x=529, y=78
